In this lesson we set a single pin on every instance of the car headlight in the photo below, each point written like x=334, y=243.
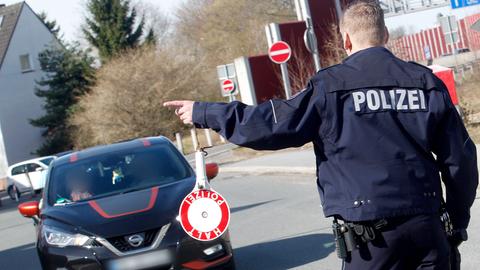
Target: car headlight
x=59, y=238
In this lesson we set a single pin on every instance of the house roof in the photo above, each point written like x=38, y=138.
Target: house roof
x=10, y=15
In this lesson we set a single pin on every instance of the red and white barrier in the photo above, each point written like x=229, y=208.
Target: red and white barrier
x=412, y=47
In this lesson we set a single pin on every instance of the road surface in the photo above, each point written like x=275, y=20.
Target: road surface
x=276, y=224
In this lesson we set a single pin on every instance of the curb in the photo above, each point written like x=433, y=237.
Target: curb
x=269, y=170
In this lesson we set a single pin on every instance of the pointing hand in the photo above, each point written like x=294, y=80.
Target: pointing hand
x=183, y=109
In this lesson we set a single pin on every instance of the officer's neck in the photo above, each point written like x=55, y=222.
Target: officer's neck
x=358, y=48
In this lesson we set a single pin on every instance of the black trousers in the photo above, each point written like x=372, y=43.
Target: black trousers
x=416, y=242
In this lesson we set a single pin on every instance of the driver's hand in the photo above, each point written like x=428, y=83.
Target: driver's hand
x=183, y=109
x=77, y=196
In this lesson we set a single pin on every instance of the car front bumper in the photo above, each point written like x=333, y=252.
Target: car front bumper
x=185, y=253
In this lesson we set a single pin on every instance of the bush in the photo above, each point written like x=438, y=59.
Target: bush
x=127, y=100
x=469, y=96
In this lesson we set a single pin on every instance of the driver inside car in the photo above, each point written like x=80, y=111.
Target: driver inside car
x=79, y=185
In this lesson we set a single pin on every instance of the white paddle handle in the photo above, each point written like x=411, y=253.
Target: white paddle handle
x=202, y=181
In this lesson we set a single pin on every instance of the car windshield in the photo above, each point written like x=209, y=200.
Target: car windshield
x=115, y=173
x=47, y=161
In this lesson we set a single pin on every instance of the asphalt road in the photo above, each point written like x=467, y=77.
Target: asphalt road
x=276, y=224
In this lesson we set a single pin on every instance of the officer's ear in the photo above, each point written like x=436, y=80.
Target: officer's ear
x=347, y=43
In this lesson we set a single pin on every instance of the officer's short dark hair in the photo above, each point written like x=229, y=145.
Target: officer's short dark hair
x=364, y=21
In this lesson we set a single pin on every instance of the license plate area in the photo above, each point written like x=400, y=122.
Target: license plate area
x=158, y=258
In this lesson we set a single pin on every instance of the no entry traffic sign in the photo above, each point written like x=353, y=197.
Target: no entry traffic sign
x=280, y=52
x=204, y=215
x=228, y=86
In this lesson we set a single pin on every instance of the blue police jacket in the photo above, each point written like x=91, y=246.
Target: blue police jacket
x=383, y=131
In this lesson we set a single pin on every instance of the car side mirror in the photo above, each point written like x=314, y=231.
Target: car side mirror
x=39, y=169
x=29, y=209
x=211, y=170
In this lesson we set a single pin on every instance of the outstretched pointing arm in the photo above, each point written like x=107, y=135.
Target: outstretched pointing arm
x=272, y=125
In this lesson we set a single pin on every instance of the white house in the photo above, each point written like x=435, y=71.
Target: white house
x=23, y=36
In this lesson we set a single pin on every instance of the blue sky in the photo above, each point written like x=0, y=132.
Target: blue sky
x=70, y=13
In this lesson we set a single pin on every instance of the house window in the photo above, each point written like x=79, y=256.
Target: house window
x=26, y=63
x=1, y=20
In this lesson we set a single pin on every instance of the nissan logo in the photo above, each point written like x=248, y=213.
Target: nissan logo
x=135, y=240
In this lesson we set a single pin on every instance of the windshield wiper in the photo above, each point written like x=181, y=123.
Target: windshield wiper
x=63, y=203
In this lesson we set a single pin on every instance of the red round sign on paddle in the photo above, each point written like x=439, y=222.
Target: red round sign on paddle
x=204, y=215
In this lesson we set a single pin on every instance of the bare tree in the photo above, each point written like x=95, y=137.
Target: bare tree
x=301, y=68
x=334, y=51
x=156, y=20
x=225, y=29
x=397, y=33
x=395, y=43
x=127, y=100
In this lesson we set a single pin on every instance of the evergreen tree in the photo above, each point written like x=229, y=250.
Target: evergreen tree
x=151, y=38
x=112, y=27
x=51, y=25
x=68, y=75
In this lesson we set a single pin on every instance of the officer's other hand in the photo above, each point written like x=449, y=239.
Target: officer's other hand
x=183, y=109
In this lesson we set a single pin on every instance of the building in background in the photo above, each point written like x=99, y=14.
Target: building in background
x=396, y=7
x=432, y=42
x=23, y=35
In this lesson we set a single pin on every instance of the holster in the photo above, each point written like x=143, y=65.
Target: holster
x=455, y=257
x=350, y=235
x=445, y=218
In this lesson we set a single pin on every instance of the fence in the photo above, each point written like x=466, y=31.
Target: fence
x=188, y=144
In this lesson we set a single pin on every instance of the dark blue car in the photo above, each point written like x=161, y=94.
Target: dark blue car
x=116, y=207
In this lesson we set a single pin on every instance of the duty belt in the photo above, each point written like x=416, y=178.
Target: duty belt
x=349, y=235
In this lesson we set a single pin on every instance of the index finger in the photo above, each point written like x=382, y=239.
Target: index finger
x=174, y=103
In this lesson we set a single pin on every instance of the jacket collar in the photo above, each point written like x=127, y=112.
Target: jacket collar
x=374, y=67
x=366, y=55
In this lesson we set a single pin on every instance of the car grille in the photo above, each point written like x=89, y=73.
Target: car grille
x=121, y=243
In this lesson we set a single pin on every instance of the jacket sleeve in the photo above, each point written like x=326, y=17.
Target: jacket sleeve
x=272, y=125
x=457, y=160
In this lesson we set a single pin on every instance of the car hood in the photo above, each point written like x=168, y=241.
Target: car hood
x=124, y=213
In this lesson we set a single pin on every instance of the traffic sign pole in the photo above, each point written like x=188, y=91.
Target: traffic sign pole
x=311, y=43
x=452, y=37
x=450, y=27
x=286, y=80
x=227, y=75
x=279, y=52
x=304, y=14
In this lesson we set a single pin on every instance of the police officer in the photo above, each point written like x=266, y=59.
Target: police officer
x=382, y=129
